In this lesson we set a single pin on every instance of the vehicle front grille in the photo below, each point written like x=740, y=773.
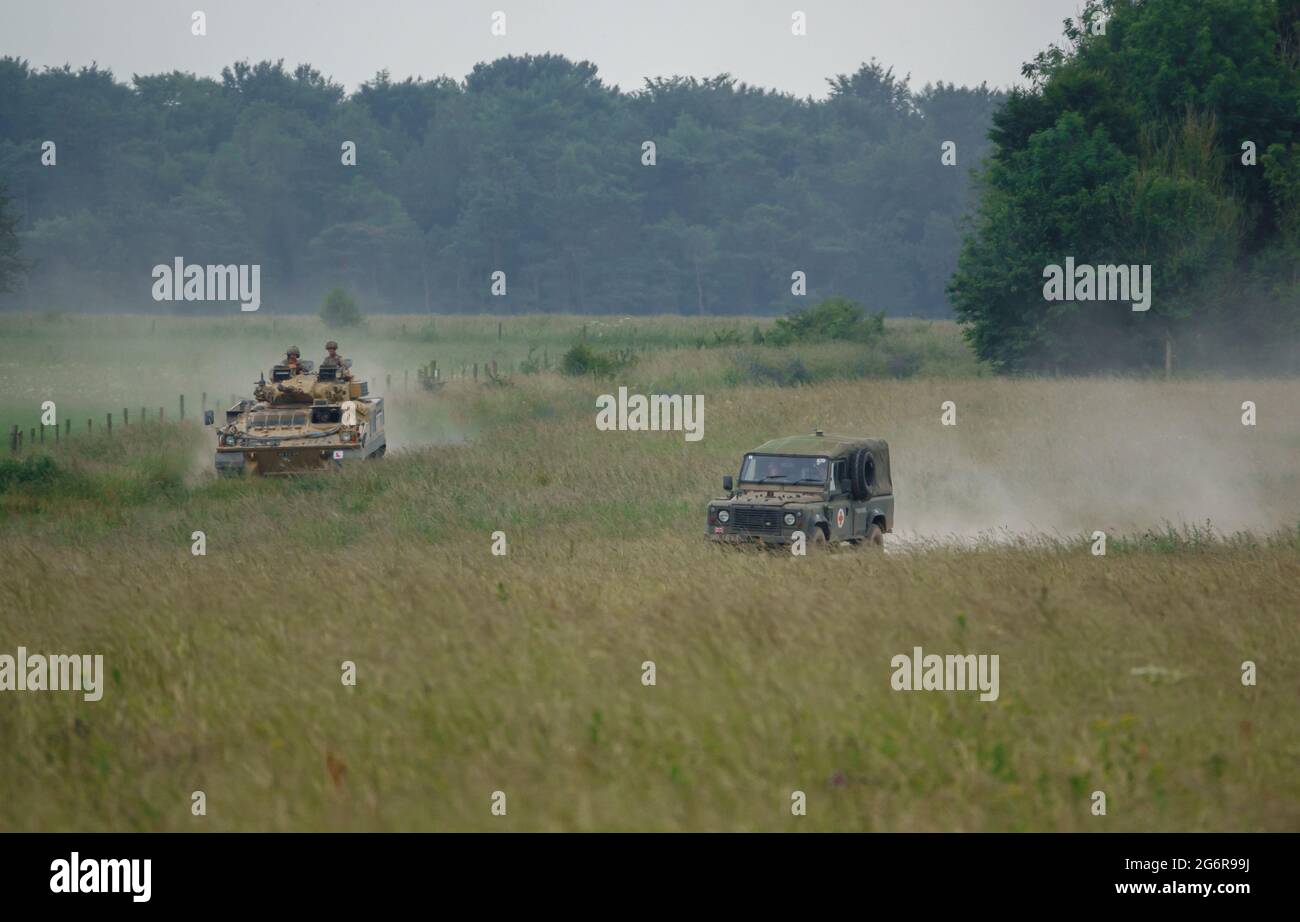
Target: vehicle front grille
x=757, y=521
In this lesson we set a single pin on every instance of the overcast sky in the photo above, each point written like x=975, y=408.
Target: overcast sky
x=960, y=41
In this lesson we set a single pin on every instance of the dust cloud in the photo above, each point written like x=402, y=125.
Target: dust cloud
x=1064, y=458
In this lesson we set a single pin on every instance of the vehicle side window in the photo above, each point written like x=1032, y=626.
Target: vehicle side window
x=841, y=483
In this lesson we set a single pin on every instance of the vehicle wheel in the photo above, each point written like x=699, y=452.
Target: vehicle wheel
x=380, y=452
x=817, y=540
x=874, y=537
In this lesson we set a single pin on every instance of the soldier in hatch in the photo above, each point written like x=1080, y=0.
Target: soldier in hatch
x=291, y=359
x=334, y=359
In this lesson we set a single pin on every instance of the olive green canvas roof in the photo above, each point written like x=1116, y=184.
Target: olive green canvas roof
x=831, y=446
x=836, y=446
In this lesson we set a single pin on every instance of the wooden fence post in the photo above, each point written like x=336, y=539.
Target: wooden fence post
x=109, y=422
x=182, y=408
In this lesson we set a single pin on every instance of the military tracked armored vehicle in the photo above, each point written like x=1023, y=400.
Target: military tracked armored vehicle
x=301, y=421
x=830, y=487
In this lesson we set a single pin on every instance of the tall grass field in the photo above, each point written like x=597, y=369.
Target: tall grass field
x=524, y=673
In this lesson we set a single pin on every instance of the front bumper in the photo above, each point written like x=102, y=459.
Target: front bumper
x=730, y=535
x=295, y=460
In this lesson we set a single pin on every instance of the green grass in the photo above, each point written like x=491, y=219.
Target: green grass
x=522, y=673
x=94, y=365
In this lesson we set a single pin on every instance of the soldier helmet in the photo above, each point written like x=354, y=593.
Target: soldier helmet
x=331, y=345
x=293, y=350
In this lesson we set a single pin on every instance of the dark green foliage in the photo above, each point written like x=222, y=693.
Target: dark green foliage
x=340, y=309
x=833, y=319
x=719, y=338
x=30, y=474
x=1185, y=538
x=12, y=265
x=581, y=359
x=765, y=369
x=888, y=357
x=530, y=165
x=1128, y=149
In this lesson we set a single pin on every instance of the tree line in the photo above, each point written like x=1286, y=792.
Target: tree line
x=1162, y=135
x=530, y=166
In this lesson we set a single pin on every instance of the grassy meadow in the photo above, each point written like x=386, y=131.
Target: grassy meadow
x=523, y=674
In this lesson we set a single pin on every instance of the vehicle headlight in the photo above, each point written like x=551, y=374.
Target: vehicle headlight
x=229, y=440
x=724, y=516
x=789, y=518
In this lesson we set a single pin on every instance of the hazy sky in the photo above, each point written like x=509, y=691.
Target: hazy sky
x=961, y=41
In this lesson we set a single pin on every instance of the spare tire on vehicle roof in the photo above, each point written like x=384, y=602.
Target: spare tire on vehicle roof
x=862, y=466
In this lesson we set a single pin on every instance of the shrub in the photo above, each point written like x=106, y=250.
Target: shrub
x=340, y=309
x=833, y=319
x=581, y=359
x=720, y=338
x=35, y=472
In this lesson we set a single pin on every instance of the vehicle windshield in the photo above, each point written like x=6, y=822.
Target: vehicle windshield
x=784, y=469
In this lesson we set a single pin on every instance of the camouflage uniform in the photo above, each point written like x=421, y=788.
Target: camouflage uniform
x=335, y=360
